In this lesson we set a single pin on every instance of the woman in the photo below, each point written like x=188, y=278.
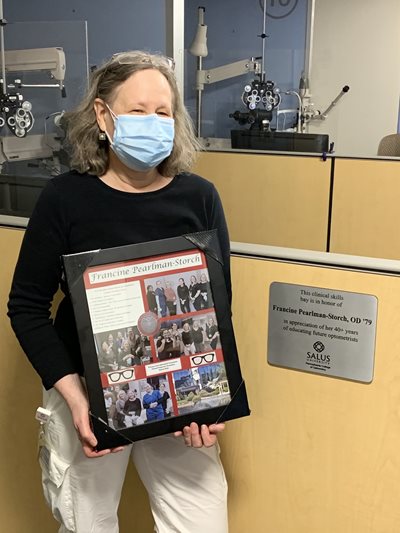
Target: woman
x=120, y=340
x=132, y=409
x=195, y=293
x=198, y=337
x=161, y=299
x=187, y=340
x=205, y=290
x=131, y=147
x=166, y=405
x=170, y=296
x=133, y=339
x=212, y=333
x=142, y=350
x=176, y=334
x=153, y=404
x=126, y=357
x=183, y=295
x=119, y=421
x=107, y=358
x=109, y=401
x=151, y=299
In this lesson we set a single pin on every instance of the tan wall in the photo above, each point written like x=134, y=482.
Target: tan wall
x=366, y=213
x=284, y=201
x=317, y=454
x=270, y=199
x=20, y=391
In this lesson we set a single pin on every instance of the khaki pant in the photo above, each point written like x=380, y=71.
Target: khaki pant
x=186, y=486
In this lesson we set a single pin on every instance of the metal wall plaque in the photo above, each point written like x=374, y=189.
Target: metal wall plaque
x=323, y=331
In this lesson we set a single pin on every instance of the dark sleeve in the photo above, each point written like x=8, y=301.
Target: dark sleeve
x=146, y=405
x=36, y=279
x=163, y=399
x=218, y=222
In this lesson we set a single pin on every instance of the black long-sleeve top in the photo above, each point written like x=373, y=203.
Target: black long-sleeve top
x=76, y=213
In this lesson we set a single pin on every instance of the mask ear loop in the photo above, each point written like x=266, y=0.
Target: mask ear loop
x=114, y=117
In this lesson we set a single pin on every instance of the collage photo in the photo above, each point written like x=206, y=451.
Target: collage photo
x=137, y=402
x=174, y=371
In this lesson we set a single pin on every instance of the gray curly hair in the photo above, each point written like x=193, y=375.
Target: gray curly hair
x=88, y=154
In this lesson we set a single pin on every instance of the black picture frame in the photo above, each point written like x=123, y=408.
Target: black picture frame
x=115, y=311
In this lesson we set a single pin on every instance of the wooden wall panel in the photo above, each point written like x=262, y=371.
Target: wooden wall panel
x=270, y=199
x=366, y=214
x=317, y=454
x=21, y=503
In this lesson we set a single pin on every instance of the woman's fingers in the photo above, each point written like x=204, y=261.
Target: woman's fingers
x=196, y=437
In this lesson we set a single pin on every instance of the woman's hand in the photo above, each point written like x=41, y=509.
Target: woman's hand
x=71, y=389
x=198, y=437
x=80, y=416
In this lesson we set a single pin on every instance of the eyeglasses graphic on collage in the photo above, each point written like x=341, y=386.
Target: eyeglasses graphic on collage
x=122, y=375
x=202, y=359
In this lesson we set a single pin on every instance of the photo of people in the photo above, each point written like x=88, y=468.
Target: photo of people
x=179, y=293
x=187, y=336
x=134, y=394
x=138, y=402
x=122, y=348
x=203, y=387
x=168, y=344
x=123, y=406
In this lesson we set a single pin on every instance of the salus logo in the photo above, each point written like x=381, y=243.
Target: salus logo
x=319, y=346
x=317, y=356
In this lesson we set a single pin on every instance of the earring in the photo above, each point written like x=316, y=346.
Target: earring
x=102, y=136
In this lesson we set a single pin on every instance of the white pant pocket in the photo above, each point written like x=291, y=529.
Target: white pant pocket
x=57, y=487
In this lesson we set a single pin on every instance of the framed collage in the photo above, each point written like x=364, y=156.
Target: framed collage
x=156, y=337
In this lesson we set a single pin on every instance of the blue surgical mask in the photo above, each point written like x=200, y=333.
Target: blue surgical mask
x=142, y=142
